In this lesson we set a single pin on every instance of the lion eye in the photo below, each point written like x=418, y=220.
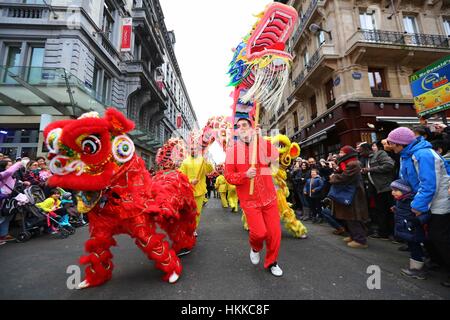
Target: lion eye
x=91, y=145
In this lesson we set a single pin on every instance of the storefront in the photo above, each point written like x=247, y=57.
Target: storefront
x=354, y=122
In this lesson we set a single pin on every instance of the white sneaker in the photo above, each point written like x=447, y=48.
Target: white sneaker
x=174, y=277
x=276, y=270
x=254, y=257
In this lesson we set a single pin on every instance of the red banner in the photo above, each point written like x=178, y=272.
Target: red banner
x=126, y=35
x=179, y=121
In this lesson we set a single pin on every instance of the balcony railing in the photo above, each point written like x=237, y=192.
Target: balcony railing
x=380, y=36
x=314, y=59
x=398, y=38
x=26, y=12
x=381, y=93
x=304, y=20
x=272, y=120
x=299, y=78
x=429, y=40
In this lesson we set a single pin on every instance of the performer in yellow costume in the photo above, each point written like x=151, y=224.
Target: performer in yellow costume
x=232, y=198
x=222, y=187
x=288, y=151
x=196, y=167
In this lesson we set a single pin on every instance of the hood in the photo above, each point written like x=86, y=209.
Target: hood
x=419, y=143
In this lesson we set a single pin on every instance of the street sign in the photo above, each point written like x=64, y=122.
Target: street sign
x=431, y=88
x=125, y=45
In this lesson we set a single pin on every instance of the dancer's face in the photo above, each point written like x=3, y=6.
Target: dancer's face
x=244, y=130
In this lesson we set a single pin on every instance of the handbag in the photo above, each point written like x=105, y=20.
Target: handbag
x=342, y=193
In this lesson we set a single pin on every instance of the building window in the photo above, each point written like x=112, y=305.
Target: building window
x=320, y=38
x=447, y=26
x=305, y=59
x=377, y=82
x=367, y=20
x=36, y=61
x=329, y=93
x=313, y=104
x=295, y=114
x=13, y=54
x=410, y=24
x=106, y=89
x=108, y=19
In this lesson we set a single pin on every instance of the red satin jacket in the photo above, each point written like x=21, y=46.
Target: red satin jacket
x=238, y=159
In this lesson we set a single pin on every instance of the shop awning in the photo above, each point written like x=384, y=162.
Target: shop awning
x=317, y=137
x=408, y=121
x=38, y=90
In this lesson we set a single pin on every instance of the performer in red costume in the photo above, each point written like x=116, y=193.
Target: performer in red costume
x=95, y=156
x=261, y=208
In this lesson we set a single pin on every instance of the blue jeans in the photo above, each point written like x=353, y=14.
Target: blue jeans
x=4, y=226
x=416, y=251
x=328, y=216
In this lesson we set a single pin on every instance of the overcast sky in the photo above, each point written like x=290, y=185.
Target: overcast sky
x=206, y=31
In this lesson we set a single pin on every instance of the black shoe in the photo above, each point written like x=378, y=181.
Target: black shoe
x=183, y=252
x=403, y=248
x=306, y=218
x=378, y=236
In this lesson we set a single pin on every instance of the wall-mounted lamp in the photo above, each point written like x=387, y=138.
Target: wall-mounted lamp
x=314, y=28
x=396, y=106
x=382, y=105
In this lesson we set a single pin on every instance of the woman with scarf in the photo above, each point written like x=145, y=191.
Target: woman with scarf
x=354, y=215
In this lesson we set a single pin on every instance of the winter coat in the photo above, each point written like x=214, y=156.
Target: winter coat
x=358, y=210
x=7, y=181
x=49, y=205
x=407, y=226
x=381, y=172
x=313, y=187
x=426, y=173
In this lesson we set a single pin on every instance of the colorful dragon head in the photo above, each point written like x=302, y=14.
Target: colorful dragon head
x=260, y=66
x=87, y=152
x=288, y=150
x=171, y=154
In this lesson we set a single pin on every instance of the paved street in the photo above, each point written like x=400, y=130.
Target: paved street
x=320, y=267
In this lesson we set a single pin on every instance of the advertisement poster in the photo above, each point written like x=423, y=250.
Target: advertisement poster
x=431, y=88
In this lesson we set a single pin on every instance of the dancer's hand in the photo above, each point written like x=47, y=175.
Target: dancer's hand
x=251, y=173
x=194, y=182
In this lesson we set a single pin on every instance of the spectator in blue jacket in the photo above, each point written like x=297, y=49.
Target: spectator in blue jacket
x=409, y=227
x=425, y=171
x=313, y=192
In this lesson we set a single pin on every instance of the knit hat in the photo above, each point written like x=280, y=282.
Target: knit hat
x=401, y=185
x=348, y=150
x=402, y=136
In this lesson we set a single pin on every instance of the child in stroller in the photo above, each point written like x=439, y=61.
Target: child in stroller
x=57, y=214
x=67, y=202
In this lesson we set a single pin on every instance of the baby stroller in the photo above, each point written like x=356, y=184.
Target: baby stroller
x=58, y=220
x=32, y=221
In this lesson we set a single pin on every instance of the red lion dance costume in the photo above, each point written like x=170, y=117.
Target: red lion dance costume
x=93, y=155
